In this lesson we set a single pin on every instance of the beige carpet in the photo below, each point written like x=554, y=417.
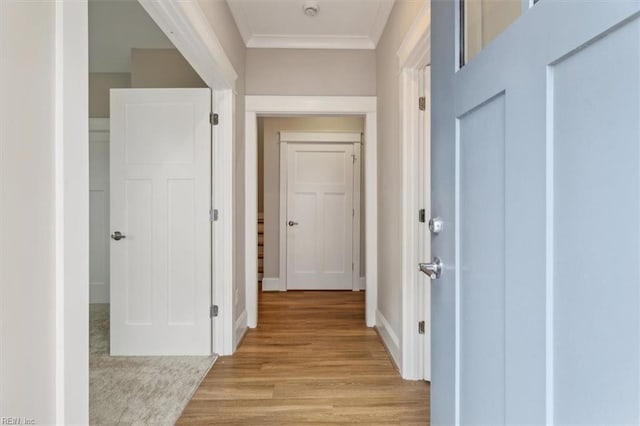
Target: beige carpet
x=137, y=390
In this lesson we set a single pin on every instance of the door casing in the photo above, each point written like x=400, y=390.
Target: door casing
x=310, y=105
x=414, y=55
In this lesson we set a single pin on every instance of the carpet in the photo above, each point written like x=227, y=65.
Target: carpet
x=137, y=390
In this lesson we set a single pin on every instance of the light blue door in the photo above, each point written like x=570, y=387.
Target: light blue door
x=536, y=175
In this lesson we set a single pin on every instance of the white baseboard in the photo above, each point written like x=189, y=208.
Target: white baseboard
x=389, y=338
x=271, y=284
x=98, y=293
x=363, y=283
x=240, y=329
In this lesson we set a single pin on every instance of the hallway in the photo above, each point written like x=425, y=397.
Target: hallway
x=311, y=360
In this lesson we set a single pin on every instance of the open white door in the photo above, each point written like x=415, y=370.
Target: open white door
x=160, y=200
x=536, y=175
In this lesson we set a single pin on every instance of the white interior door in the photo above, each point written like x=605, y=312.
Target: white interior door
x=536, y=173
x=160, y=200
x=320, y=215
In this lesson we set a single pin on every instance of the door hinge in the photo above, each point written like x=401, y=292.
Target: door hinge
x=213, y=311
x=353, y=212
x=422, y=103
x=214, y=119
x=422, y=216
x=421, y=327
x=213, y=215
x=353, y=266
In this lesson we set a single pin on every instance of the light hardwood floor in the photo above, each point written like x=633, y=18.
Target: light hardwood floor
x=310, y=361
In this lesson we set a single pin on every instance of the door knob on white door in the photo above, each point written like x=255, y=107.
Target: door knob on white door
x=292, y=223
x=433, y=270
x=118, y=236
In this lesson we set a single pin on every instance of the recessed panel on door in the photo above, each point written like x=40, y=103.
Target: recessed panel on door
x=482, y=263
x=596, y=231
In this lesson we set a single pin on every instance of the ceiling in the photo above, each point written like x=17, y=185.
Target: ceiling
x=339, y=24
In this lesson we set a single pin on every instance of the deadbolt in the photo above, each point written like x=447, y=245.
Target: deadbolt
x=435, y=225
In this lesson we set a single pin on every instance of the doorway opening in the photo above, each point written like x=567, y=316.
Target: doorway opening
x=265, y=111
x=126, y=48
x=312, y=233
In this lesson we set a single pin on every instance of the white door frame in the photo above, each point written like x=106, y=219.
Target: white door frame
x=414, y=55
x=310, y=105
x=354, y=138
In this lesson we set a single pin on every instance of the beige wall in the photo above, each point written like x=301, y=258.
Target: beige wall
x=222, y=22
x=99, y=85
x=271, y=178
x=149, y=68
x=162, y=68
x=311, y=72
x=390, y=163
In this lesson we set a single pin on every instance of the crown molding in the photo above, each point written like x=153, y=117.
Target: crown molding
x=307, y=42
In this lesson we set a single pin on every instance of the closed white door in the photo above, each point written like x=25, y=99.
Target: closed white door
x=160, y=199
x=320, y=216
x=536, y=175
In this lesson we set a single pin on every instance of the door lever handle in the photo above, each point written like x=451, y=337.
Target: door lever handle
x=292, y=223
x=118, y=236
x=433, y=270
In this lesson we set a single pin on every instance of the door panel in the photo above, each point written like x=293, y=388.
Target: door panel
x=482, y=262
x=536, y=316
x=320, y=201
x=595, y=188
x=161, y=195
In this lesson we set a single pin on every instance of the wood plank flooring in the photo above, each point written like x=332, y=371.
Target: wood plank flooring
x=310, y=361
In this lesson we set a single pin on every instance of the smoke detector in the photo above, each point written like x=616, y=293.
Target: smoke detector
x=310, y=8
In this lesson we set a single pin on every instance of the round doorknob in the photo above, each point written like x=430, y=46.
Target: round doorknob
x=292, y=223
x=118, y=236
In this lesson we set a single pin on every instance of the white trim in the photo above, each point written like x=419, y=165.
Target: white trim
x=272, y=284
x=240, y=329
x=414, y=55
x=186, y=25
x=357, y=178
x=71, y=213
x=389, y=338
x=282, y=230
x=363, y=283
x=287, y=137
x=416, y=46
x=259, y=41
x=316, y=137
x=223, y=135
x=311, y=105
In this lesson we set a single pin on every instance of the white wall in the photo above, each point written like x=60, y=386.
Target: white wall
x=44, y=212
x=389, y=165
x=271, y=177
x=311, y=72
x=219, y=15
